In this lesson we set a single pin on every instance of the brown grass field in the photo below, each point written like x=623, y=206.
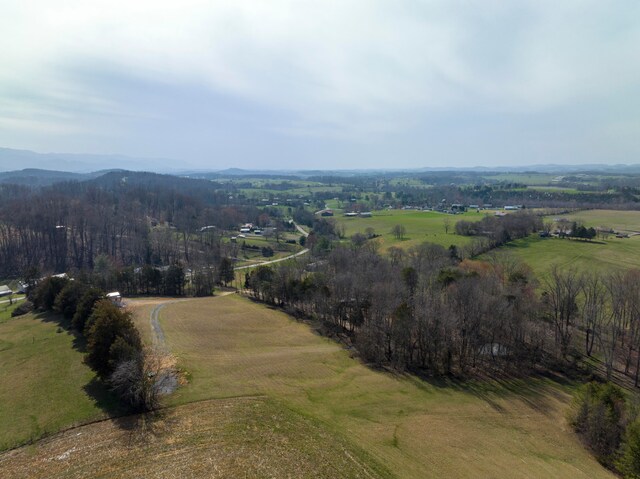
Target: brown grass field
x=244, y=437
x=267, y=397
x=233, y=347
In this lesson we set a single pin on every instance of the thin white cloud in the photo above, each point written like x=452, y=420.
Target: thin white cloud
x=340, y=66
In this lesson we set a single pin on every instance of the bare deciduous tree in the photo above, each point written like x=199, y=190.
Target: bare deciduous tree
x=561, y=293
x=142, y=380
x=593, y=311
x=447, y=224
x=398, y=231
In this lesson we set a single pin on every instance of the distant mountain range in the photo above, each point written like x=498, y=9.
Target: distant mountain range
x=25, y=163
x=38, y=177
x=12, y=160
x=550, y=168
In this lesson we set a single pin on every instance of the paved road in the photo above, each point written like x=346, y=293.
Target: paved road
x=154, y=317
x=301, y=230
x=299, y=253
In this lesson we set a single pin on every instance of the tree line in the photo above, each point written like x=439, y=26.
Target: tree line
x=420, y=310
x=607, y=422
x=132, y=218
x=501, y=229
x=427, y=310
x=136, y=374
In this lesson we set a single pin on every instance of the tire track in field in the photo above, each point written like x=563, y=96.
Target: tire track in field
x=158, y=335
x=159, y=338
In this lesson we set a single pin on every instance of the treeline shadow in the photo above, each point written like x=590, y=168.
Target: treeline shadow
x=96, y=389
x=143, y=426
x=537, y=390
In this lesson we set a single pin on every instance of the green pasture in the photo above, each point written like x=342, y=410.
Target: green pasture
x=6, y=307
x=605, y=256
x=599, y=255
x=336, y=205
x=45, y=384
x=293, y=191
x=532, y=179
x=421, y=226
x=556, y=189
x=619, y=220
x=408, y=181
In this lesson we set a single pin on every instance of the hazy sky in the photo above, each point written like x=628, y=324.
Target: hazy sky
x=335, y=84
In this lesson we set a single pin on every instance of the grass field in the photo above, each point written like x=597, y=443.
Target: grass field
x=628, y=221
x=269, y=398
x=45, y=384
x=420, y=226
x=235, y=348
x=555, y=189
x=234, y=438
x=600, y=255
x=7, y=308
x=604, y=256
x=525, y=178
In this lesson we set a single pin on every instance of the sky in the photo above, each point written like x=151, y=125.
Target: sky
x=335, y=84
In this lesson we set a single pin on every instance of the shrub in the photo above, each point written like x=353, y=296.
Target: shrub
x=45, y=293
x=67, y=299
x=111, y=338
x=84, y=308
x=629, y=462
x=24, y=308
x=143, y=378
x=598, y=415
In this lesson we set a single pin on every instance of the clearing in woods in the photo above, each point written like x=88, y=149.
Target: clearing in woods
x=626, y=221
x=421, y=226
x=269, y=398
x=603, y=256
x=600, y=255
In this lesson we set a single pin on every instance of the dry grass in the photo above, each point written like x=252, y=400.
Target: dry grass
x=249, y=437
x=142, y=308
x=269, y=398
x=233, y=347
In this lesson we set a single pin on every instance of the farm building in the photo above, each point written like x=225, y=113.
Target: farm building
x=325, y=212
x=5, y=291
